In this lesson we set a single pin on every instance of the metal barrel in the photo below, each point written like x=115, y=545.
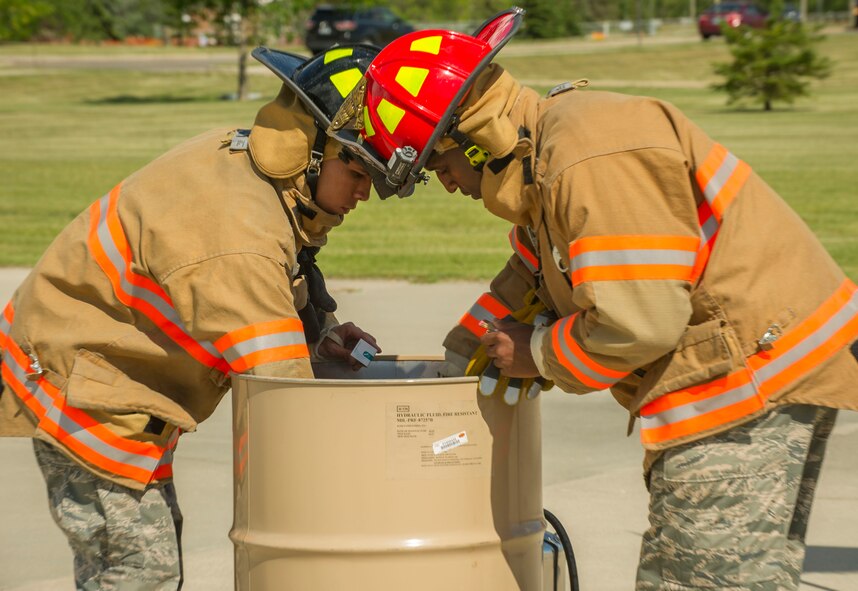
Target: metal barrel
x=388, y=478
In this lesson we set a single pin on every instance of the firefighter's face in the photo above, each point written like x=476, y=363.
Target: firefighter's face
x=456, y=173
x=341, y=186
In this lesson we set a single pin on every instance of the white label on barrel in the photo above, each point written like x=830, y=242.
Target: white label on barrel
x=414, y=449
x=451, y=442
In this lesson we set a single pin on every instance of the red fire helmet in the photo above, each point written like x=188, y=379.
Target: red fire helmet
x=411, y=84
x=412, y=90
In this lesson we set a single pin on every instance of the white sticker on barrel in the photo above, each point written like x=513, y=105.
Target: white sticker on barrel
x=451, y=442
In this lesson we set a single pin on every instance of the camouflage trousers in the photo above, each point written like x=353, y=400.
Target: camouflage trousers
x=730, y=511
x=122, y=539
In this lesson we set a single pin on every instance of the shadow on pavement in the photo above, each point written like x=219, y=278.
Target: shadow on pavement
x=831, y=559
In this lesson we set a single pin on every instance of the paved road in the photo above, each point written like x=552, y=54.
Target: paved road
x=42, y=58
x=591, y=472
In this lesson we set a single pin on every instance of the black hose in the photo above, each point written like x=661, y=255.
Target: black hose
x=567, y=547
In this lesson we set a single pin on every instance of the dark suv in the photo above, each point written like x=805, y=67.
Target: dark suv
x=329, y=25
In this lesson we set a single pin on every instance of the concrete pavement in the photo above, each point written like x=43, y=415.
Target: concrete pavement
x=591, y=471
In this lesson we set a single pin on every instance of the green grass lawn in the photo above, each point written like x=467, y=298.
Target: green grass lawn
x=70, y=135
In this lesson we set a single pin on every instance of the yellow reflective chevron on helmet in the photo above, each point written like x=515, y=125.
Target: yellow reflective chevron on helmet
x=411, y=79
x=368, y=129
x=346, y=81
x=390, y=115
x=336, y=54
x=428, y=44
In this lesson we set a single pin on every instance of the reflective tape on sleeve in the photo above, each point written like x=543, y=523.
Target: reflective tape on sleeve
x=266, y=342
x=617, y=258
x=577, y=361
x=486, y=309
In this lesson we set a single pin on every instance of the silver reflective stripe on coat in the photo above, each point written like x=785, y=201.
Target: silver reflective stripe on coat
x=262, y=343
x=122, y=269
x=564, y=329
x=603, y=258
x=75, y=430
x=720, y=178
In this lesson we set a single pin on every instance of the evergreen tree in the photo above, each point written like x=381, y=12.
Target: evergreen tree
x=546, y=19
x=771, y=64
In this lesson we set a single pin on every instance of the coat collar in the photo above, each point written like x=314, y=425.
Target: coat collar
x=509, y=184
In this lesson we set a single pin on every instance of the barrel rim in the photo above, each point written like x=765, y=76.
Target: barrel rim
x=343, y=382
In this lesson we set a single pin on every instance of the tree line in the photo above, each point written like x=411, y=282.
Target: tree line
x=172, y=21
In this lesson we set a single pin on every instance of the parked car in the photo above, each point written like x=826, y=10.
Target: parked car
x=329, y=25
x=791, y=13
x=733, y=14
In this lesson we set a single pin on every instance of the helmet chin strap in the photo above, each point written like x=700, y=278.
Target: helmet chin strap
x=317, y=152
x=476, y=155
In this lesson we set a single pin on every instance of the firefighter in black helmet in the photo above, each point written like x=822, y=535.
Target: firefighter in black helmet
x=126, y=332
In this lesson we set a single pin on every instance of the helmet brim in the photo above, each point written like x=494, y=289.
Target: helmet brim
x=284, y=65
x=499, y=28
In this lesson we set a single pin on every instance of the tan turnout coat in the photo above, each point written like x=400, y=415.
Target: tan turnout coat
x=207, y=237
x=615, y=191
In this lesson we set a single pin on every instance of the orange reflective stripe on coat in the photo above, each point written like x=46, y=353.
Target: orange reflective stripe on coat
x=238, y=351
x=5, y=325
x=799, y=351
x=265, y=342
x=486, y=309
x=86, y=437
x=576, y=360
x=720, y=178
x=612, y=258
x=708, y=233
x=109, y=247
x=530, y=260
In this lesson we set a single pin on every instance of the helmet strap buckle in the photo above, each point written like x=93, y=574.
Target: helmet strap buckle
x=317, y=153
x=315, y=164
x=477, y=155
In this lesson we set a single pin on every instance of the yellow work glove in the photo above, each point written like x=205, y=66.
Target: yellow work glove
x=492, y=381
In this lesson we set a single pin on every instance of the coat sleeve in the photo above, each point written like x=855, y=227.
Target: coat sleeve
x=243, y=304
x=628, y=225
x=506, y=294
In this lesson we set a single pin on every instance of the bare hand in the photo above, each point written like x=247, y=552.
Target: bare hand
x=509, y=347
x=350, y=335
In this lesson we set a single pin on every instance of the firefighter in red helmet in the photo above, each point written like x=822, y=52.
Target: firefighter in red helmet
x=649, y=261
